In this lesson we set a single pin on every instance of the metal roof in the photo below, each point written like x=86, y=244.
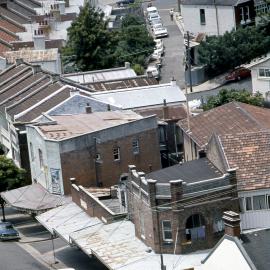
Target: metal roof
x=115, y=244
x=66, y=219
x=146, y=96
x=33, y=198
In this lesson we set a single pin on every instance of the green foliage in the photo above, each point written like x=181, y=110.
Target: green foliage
x=10, y=175
x=138, y=69
x=222, y=53
x=226, y=96
x=92, y=46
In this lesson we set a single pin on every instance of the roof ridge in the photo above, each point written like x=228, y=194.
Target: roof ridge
x=244, y=111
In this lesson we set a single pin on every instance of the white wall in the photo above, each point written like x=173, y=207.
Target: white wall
x=227, y=256
x=191, y=17
x=258, y=83
x=255, y=218
x=51, y=159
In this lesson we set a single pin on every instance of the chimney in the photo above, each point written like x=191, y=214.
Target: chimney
x=173, y=81
x=232, y=223
x=127, y=65
x=62, y=7
x=88, y=109
x=39, y=40
x=165, y=110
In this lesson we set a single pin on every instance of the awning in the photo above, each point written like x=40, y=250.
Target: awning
x=66, y=219
x=115, y=244
x=32, y=199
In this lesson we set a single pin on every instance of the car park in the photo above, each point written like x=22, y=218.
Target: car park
x=238, y=74
x=160, y=32
x=8, y=232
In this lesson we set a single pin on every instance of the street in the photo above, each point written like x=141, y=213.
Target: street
x=34, y=251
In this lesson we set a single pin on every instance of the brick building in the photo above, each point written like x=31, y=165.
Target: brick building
x=179, y=209
x=95, y=148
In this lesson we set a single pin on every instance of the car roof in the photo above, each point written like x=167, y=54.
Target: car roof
x=151, y=9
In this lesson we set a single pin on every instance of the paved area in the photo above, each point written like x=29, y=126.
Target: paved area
x=34, y=251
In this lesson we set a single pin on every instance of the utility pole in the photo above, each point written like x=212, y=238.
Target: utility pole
x=189, y=61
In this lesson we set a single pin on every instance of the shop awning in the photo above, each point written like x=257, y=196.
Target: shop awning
x=32, y=199
x=66, y=219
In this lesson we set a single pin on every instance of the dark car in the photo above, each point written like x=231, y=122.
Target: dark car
x=125, y=2
x=238, y=74
x=7, y=232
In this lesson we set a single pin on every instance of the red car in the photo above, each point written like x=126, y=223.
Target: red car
x=238, y=74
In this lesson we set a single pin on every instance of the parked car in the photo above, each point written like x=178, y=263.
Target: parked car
x=151, y=10
x=159, y=50
x=7, y=231
x=124, y=2
x=238, y=74
x=155, y=55
x=160, y=32
x=155, y=22
x=159, y=43
x=153, y=68
x=153, y=16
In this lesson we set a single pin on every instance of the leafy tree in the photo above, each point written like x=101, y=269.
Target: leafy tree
x=226, y=96
x=10, y=177
x=222, y=53
x=135, y=43
x=90, y=45
x=138, y=69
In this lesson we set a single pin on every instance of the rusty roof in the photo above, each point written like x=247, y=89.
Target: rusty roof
x=68, y=126
x=11, y=26
x=230, y=118
x=122, y=84
x=249, y=152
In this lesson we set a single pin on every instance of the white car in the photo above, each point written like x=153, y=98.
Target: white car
x=159, y=43
x=157, y=25
x=153, y=16
x=159, y=50
x=154, y=70
x=160, y=32
x=151, y=10
x=156, y=55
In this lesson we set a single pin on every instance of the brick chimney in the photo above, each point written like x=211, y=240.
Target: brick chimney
x=232, y=223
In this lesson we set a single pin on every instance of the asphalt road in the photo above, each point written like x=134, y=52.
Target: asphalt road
x=35, y=250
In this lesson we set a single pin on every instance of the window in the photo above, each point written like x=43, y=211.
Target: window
x=167, y=230
x=259, y=202
x=248, y=204
x=41, y=162
x=31, y=152
x=116, y=153
x=135, y=147
x=195, y=227
x=142, y=224
x=202, y=16
x=264, y=72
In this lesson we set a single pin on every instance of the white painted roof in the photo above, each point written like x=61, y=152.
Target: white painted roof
x=145, y=96
x=66, y=219
x=113, y=244
x=101, y=75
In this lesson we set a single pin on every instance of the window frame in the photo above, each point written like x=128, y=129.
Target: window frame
x=265, y=71
x=251, y=203
x=202, y=16
x=164, y=230
x=116, y=154
x=135, y=148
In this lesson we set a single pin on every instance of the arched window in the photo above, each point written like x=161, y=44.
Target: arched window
x=195, y=227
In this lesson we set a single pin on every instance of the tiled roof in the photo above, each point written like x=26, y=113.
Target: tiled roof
x=75, y=125
x=4, y=35
x=12, y=15
x=249, y=152
x=3, y=48
x=15, y=28
x=231, y=118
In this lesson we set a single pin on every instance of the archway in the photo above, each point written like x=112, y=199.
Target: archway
x=195, y=228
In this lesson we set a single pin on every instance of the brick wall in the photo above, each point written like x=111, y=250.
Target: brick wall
x=210, y=206
x=92, y=206
x=81, y=165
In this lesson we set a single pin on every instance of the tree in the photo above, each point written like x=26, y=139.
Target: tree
x=222, y=53
x=135, y=44
x=226, y=96
x=10, y=177
x=90, y=45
